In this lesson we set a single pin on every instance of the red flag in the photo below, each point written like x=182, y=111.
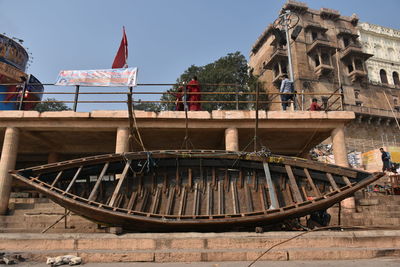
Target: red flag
x=121, y=58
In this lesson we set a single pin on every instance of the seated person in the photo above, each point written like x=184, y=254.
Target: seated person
x=314, y=105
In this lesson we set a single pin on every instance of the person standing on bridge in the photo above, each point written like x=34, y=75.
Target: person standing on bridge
x=193, y=88
x=286, y=91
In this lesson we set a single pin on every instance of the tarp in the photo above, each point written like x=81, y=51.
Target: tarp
x=107, y=77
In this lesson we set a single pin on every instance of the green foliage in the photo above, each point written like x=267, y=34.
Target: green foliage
x=215, y=77
x=155, y=107
x=51, y=104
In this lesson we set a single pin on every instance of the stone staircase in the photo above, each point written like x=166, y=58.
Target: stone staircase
x=33, y=215
x=197, y=247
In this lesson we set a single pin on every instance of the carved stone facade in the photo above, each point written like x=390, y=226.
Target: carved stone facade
x=384, y=44
x=328, y=55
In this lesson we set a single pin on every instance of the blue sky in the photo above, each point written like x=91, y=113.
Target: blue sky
x=165, y=36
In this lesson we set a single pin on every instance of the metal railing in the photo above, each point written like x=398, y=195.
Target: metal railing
x=241, y=95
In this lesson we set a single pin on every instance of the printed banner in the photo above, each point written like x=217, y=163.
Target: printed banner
x=109, y=77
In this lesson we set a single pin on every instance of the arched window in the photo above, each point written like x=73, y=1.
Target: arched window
x=384, y=79
x=396, y=80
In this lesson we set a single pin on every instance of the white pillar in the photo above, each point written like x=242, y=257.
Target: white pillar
x=231, y=139
x=339, y=147
x=7, y=163
x=122, y=142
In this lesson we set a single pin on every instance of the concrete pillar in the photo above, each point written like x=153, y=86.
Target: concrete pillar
x=339, y=147
x=231, y=139
x=7, y=162
x=53, y=157
x=122, y=142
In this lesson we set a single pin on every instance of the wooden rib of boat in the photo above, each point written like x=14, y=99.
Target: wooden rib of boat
x=197, y=190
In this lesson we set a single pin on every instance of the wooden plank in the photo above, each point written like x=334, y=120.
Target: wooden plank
x=235, y=200
x=93, y=194
x=57, y=178
x=263, y=197
x=190, y=177
x=249, y=200
x=209, y=199
x=74, y=179
x=171, y=196
x=346, y=180
x=196, y=202
x=311, y=182
x=156, y=201
x=220, y=198
x=253, y=180
x=182, y=203
x=165, y=183
x=214, y=177
x=271, y=187
x=146, y=194
x=119, y=184
x=132, y=200
x=332, y=181
x=293, y=185
x=241, y=178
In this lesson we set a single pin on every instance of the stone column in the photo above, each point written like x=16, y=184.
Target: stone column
x=231, y=139
x=122, y=142
x=53, y=157
x=7, y=162
x=339, y=147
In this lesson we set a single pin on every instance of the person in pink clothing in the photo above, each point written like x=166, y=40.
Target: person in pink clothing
x=193, y=88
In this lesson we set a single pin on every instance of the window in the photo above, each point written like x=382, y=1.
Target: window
x=276, y=70
x=356, y=94
x=325, y=59
x=350, y=68
x=316, y=59
x=395, y=100
x=359, y=64
x=346, y=41
x=283, y=67
x=396, y=80
x=384, y=79
x=314, y=35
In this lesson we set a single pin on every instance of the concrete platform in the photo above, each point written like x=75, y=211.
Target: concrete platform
x=206, y=247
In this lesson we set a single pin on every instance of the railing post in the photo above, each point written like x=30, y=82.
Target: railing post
x=237, y=97
x=76, y=97
x=341, y=98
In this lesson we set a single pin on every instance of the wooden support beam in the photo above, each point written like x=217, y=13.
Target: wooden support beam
x=235, y=200
x=332, y=182
x=146, y=194
x=156, y=201
x=93, y=194
x=346, y=180
x=196, y=201
x=74, y=179
x=57, y=178
x=119, y=184
x=263, y=197
x=249, y=200
x=182, y=203
x=209, y=199
x=132, y=201
x=271, y=187
x=311, y=182
x=293, y=185
x=220, y=198
x=171, y=196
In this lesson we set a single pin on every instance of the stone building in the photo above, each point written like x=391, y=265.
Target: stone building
x=384, y=44
x=328, y=56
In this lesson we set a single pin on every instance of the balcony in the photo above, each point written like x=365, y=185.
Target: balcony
x=323, y=70
x=354, y=50
x=357, y=75
x=321, y=43
x=277, y=55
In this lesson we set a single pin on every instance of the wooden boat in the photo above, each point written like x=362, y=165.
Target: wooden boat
x=197, y=190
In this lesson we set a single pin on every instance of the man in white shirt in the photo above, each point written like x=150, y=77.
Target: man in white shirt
x=286, y=91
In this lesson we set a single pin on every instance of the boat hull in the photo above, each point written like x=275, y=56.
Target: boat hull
x=192, y=190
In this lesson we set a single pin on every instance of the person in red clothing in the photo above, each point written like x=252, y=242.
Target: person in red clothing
x=193, y=87
x=178, y=102
x=314, y=105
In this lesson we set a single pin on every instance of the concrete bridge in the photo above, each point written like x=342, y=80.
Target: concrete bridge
x=31, y=138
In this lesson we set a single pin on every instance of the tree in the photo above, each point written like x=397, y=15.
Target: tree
x=51, y=104
x=155, y=107
x=227, y=74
